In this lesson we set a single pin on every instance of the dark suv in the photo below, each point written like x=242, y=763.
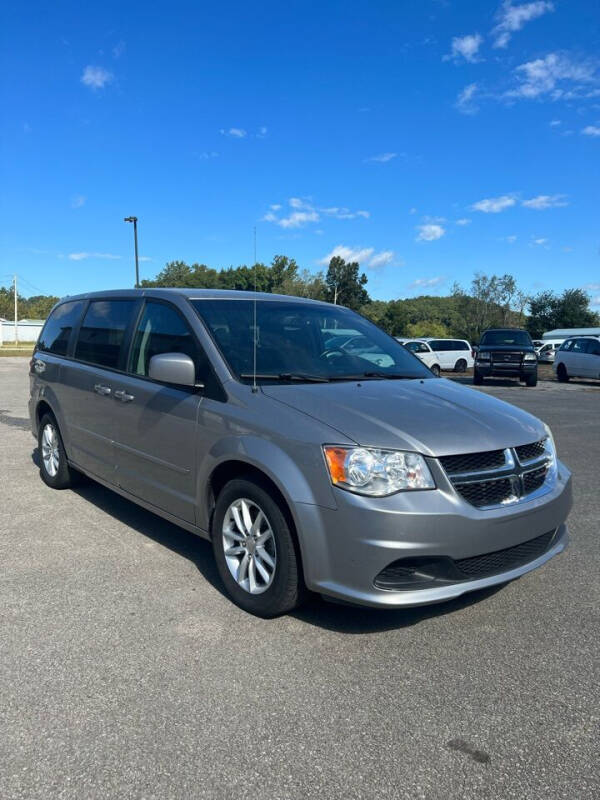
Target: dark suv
x=506, y=352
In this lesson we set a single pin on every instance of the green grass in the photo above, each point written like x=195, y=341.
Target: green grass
x=7, y=350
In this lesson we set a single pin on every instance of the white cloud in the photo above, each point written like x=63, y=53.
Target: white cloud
x=540, y=242
x=511, y=239
x=554, y=123
x=364, y=255
x=233, y=133
x=96, y=77
x=304, y=212
x=83, y=256
x=348, y=254
x=77, y=201
x=208, y=154
x=382, y=158
x=555, y=75
x=466, y=47
x=262, y=132
x=463, y=221
x=543, y=201
x=118, y=49
x=591, y=130
x=465, y=102
x=593, y=287
x=493, y=205
x=381, y=259
x=427, y=282
x=429, y=232
x=595, y=301
x=512, y=18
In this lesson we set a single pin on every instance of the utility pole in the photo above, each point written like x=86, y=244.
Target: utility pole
x=137, y=268
x=16, y=323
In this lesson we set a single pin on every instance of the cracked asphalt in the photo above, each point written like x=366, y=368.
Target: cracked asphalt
x=126, y=673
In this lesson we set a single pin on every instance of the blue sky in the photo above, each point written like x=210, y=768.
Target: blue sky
x=429, y=139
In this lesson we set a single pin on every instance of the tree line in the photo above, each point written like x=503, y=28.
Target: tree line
x=489, y=300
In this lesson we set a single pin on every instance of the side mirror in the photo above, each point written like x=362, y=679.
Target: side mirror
x=174, y=368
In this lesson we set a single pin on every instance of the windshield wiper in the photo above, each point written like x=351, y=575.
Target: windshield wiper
x=285, y=376
x=387, y=376
x=392, y=376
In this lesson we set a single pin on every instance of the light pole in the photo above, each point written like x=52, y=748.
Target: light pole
x=137, y=267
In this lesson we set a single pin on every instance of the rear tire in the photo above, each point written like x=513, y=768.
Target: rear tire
x=477, y=378
x=460, y=366
x=264, y=579
x=562, y=374
x=54, y=468
x=531, y=380
x=436, y=370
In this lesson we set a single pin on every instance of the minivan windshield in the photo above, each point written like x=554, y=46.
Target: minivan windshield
x=303, y=342
x=506, y=339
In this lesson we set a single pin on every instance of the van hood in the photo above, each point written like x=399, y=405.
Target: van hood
x=436, y=417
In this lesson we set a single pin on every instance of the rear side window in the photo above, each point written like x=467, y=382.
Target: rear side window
x=161, y=330
x=579, y=346
x=437, y=345
x=102, y=332
x=57, y=331
x=460, y=345
x=566, y=345
x=593, y=347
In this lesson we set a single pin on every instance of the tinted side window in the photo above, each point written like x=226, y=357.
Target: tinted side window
x=162, y=329
x=593, y=347
x=578, y=345
x=436, y=345
x=102, y=332
x=566, y=345
x=460, y=345
x=54, y=338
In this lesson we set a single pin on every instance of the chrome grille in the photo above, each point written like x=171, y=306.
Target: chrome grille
x=529, y=452
x=473, y=462
x=499, y=477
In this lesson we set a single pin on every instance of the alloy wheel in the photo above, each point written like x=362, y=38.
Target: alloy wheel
x=50, y=451
x=249, y=546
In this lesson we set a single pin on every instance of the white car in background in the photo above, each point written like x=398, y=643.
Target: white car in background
x=547, y=352
x=423, y=351
x=578, y=357
x=454, y=354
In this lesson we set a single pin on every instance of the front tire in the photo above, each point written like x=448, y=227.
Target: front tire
x=436, y=370
x=54, y=468
x=531, y=380
x=460, y=366
x=255, y=551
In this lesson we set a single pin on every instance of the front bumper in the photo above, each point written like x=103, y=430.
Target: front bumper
x=344, y=549
x=510, y=369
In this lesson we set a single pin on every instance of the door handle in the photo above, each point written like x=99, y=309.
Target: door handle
x=122, y=395
x=99, y=388
x=38, y=366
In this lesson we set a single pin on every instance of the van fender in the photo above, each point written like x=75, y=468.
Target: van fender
x=270, y=459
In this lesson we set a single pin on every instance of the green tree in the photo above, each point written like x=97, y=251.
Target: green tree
x=571, y=309
x=344, y=285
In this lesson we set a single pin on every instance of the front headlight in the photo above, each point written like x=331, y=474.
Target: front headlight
x=365, y=470
x=483, y=356
x=550, y=447
x=530, y=357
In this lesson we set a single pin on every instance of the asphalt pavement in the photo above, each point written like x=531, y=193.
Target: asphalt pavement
x=126, y=673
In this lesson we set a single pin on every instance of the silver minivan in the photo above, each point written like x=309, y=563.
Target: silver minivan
x=310, y=465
